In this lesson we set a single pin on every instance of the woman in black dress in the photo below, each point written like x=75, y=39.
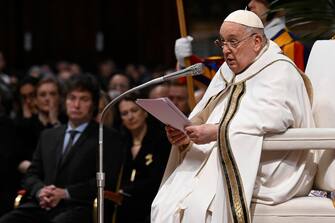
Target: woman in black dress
x=146, y=153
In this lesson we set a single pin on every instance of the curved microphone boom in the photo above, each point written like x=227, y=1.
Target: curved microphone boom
x=193, y=70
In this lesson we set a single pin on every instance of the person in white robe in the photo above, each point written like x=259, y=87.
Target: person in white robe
x=217, y=167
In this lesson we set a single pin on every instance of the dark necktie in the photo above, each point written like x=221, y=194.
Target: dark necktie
x=67, y=149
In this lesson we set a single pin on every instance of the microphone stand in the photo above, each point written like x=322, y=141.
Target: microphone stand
x=100, y=174
x=195, y=69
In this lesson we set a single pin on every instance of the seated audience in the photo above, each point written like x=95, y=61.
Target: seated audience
x=61, y=181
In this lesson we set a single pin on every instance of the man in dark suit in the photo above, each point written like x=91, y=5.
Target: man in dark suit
x=61, y=182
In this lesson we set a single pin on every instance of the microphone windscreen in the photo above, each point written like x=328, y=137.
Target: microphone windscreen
x=197, y=69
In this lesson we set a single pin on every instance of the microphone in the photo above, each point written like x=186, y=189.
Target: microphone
x=193, y=70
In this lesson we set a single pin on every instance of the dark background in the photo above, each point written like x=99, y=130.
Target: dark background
x=134, y=31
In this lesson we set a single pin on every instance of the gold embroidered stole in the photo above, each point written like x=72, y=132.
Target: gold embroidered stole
x=203, y=115
x=236, y=198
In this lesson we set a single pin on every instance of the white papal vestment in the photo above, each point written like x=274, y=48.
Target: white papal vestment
x=216, y=182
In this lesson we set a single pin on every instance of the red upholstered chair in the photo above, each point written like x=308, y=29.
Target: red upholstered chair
x=19, y=197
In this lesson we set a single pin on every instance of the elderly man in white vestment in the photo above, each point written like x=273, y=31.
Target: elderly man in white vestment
x=217, y=167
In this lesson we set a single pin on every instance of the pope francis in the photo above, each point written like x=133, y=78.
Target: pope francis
x=217, y=167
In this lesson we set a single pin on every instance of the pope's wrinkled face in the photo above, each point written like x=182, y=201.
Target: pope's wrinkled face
x=240, y=46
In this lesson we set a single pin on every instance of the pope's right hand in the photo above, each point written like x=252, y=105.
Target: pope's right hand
x=183, y=49
x=176, y=137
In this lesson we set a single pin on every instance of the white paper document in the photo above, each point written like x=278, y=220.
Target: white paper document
x=164, y=110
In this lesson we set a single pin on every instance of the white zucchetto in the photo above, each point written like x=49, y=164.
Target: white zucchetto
x=246, y=18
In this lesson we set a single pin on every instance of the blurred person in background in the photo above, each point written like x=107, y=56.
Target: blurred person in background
x=5, y=78
x=35, y=72
x=75, y=69
x=132, y=72
x=49, y=115
x=145, y=74
x=6, y=97
x=138, y=74
x=62, y=66
x=106, y=69
x=276, y=30
x=64, y=75
x=118, y=84
x=159, y=91
x=146, y=153
x=10, y=179
x=7, y=84
x=63, y=71
x=46, y=70
x=27, y=96
x=179, y=96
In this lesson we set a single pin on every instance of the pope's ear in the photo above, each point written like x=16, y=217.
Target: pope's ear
x=258, y=40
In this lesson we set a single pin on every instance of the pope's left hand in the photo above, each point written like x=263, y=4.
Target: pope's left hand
x=202, y=134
